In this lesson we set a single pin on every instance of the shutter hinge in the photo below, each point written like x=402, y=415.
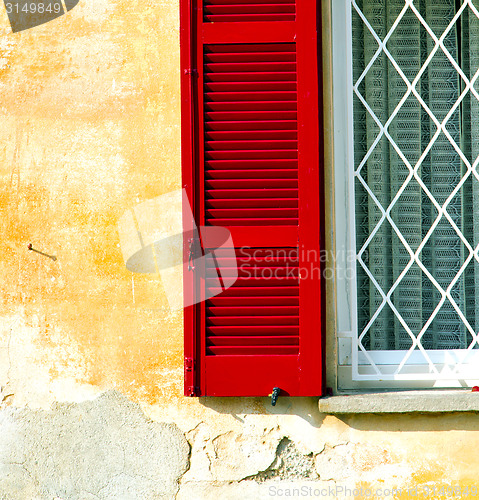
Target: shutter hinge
x=190, y=71
x=191, y=390
x=189, y=364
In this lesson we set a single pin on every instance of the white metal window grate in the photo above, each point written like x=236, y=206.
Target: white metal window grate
x=415, y=107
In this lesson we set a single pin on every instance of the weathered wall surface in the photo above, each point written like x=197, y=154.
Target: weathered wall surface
x=91, y=355
x=104, y=448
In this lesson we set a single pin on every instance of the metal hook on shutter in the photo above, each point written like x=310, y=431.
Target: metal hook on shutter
x=275, y=395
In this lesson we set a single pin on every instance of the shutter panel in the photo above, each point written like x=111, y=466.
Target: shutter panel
x=251, y=134
x=251, y=163
x=259, y=314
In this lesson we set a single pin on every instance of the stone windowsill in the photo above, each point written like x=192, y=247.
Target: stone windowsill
x=430, y=401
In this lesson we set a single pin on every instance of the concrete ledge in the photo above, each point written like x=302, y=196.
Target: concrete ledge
x=431, y=401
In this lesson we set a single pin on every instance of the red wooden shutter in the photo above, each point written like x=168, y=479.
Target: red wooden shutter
x=251, y=150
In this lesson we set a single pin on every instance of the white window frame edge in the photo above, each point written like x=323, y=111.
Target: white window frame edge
x=351, y=370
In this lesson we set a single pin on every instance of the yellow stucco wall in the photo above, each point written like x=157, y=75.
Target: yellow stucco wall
x=89, y=128
x=89, y=107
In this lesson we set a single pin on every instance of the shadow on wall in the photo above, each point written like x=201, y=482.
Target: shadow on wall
x=152, y=238
x=306, y=408
x=413, y=422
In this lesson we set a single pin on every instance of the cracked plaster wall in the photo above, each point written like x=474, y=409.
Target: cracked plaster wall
x=90, y=127
x=98, y=449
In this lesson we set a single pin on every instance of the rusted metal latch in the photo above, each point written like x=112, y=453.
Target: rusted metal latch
x=53, y=257
x=275, y=395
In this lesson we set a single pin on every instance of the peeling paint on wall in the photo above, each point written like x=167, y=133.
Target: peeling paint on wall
x=102, y=449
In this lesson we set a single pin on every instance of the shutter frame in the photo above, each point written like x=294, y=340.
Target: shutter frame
x=189, y=162
x=229, y=375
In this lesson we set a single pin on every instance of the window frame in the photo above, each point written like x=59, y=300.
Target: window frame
x=341, y=314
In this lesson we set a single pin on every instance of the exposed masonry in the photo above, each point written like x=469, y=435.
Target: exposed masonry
x=288, y=464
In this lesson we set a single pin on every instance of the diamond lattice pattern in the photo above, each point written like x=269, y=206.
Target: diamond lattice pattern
x=416, y=148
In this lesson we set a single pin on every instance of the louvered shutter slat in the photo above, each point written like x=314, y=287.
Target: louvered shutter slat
x=256, y=282
x=253, y=174
x=251, y=135
x=245, y=341
x=261, y=163
x=252, y=126
x=264, y=55
x=260, y=68
x=256, y=220
x=251, y=48
x=250, y=145
x=238, y=194
x=252, y=320
x=252, y=95
x=246, y=116
x=254, y=301
x=227, y=86
x=277, y=77
x=251, y=203
x=285, y=80
x=270, y=213
x=262, y=330
x=245, y=213
x=256, y=260
x=248, y=8
x=254, y=310
x=242, y=273
x=250, y=291
x=248, y=183
x=252, y=351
